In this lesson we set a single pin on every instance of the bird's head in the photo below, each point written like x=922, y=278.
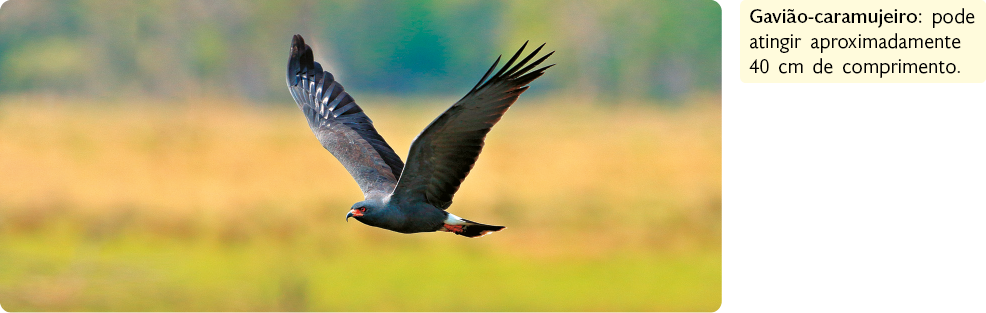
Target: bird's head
x=365, y=211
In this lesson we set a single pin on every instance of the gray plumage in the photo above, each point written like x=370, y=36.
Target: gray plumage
x=408, y=198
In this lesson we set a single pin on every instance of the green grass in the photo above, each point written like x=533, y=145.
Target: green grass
x=55, y=269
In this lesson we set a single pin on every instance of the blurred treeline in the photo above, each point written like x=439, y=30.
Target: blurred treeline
x=237, y=48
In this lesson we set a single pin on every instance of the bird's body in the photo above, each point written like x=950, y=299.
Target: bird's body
x=407, y=198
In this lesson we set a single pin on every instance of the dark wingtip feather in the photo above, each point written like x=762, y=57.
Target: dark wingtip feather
x=300, y=60
x=297, y=41
x=509, y=63
x=516, y=76
x=524, y=61
x=485, y=76
x=532, y=65
x=531, y=76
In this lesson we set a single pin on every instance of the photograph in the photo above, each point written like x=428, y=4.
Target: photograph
x=370, y=155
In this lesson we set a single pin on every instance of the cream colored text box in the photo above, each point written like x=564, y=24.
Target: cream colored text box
x=765, y=24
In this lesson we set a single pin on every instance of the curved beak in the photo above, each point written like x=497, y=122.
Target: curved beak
x=355, y=212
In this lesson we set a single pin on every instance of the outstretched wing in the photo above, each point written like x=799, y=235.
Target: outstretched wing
x=444, y=153
x=340, y=125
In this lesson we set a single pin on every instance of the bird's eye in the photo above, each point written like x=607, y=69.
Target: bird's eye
x=361, y=210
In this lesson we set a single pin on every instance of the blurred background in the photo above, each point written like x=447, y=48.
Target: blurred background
x=151, y=157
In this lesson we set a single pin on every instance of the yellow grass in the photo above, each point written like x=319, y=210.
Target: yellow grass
x=581, y=187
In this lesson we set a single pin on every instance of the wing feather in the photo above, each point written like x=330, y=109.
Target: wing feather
x=444, y=153
x=340, y=124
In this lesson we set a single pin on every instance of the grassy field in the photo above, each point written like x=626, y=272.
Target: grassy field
x=214, y=205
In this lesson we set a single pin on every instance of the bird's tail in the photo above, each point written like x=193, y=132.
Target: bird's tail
x=464, y=227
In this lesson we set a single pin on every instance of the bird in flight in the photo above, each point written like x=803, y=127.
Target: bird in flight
x=412, y=197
